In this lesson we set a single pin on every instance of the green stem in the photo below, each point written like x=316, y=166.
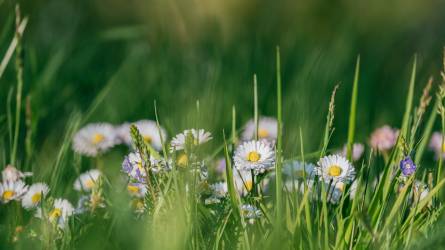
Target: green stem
x=278, y=170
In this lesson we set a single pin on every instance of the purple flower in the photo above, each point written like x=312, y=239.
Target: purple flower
x=407, y=166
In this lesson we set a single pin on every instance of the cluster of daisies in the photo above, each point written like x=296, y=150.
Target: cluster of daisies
x=253, y=160
x=35, y=197
x=97, y=138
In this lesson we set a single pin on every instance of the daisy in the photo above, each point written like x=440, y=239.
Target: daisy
x=34, y=196
x=219, y=189
x=148, y=130
x=12, y=190
x=60, y=213
x=90, y=202
x=254, y=155
x=135, y=168
x=138, y=205
x=336, y=192
x=335, y=168
x=251, y=213
x=244, y=183
x=384, y=138
x=87, y=181
x=182, y=160
x=267, y=129
x=299, y=186
x=357, y=151
x=197, y=137
x=137, y=190
x=298, y=169
x=10, y=173
x=437, y=146
x=94, y=139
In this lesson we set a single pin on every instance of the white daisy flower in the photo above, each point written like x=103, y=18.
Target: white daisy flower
x=357, y=151
x=138, y=190
x=148, y=130
x=384, y=138
x=267, y=129
x=10, y=173
x=60, y=213
x=243, y=181
x=90, y=203
x=94, y=139
x=336, y=192
x=297, y=169
x=138, y=205
x=219, y=190
x=436, y=145
x=87, y=181
x=254, y=155
x=335, y=168
x=36, y=193
x=198, y=137
x=251, y=213
x=299, y=186
x=12, y=190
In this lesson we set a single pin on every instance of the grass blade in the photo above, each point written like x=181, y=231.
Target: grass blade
x=352, y=114
x=278, y=170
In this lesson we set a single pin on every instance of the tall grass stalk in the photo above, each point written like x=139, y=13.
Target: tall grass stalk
x=278, y=166
x=13, y=45
x=353, y=111
x=19, y=76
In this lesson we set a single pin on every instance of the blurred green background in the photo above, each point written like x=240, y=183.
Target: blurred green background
x=179, y=51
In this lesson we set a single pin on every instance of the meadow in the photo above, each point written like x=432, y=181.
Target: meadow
x=210, y=125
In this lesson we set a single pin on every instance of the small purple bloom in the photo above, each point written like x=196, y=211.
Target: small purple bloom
x=126, y=165
x=407, y=166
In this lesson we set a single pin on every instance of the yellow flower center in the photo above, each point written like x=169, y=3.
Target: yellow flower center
x=195, y=141
x=138, y=204
x=183, y=160
x=249, y=185
x=36, y=198
x=7, y=195
x=89, y=183
x=55, y=213
x=340, y=186
x=334, y=170
x=148, y=139
x=98, y=138
x=133, y=189
x=263, y=133
x=253, y=156
x=139, y=165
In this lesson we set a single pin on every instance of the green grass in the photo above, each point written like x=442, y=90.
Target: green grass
x=195, y=71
